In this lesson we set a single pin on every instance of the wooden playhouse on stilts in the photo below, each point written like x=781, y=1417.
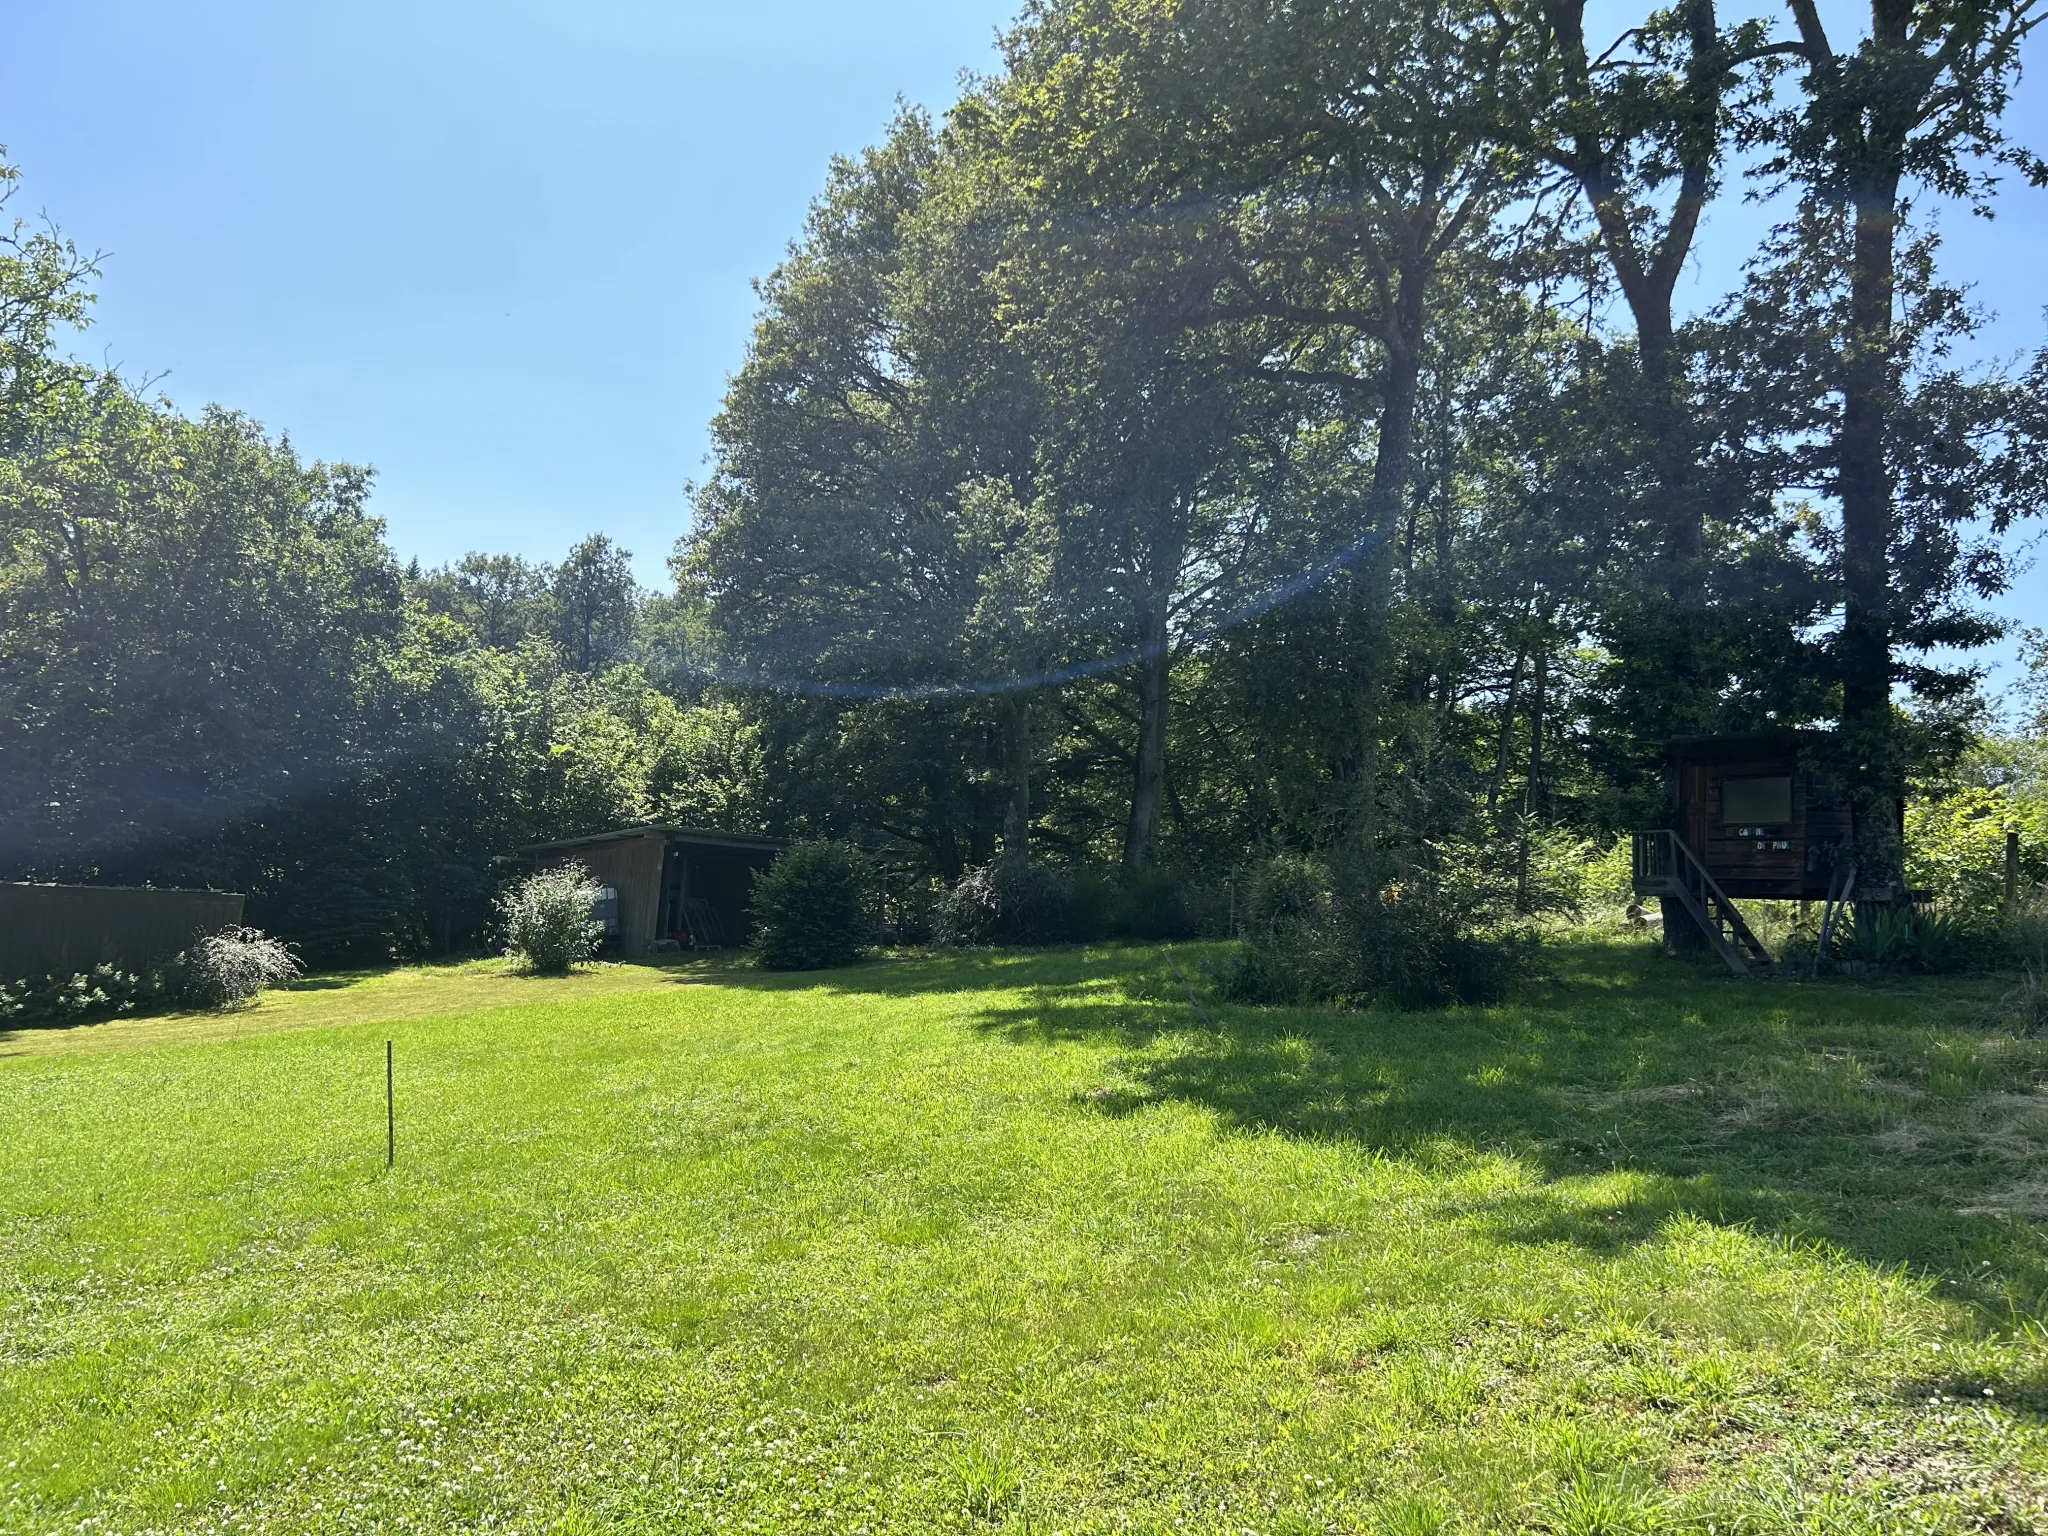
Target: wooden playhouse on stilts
x=1751, y=816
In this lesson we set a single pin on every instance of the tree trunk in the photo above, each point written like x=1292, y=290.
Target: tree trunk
x=1671, y=445
x=1532, y=790
x=1153, y=676
x=1864, y=647
x=1397, y=406
x=946, y=851
x=1647, y=262
x=1017, y=757
x=1647, y=270
x=1370, y=578
x=1507, y=730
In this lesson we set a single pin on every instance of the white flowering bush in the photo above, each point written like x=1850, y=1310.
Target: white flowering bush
x=548, y=922
x=231, y=968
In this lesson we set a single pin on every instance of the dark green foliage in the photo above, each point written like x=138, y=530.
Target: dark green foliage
x=1285, y=891
x=1010, y=903
x=104, y=992
x=1321, y=935
x=1005, y=902
x=595, y=603
x=1152, y=904
x=1899, y=938
x=812, y=908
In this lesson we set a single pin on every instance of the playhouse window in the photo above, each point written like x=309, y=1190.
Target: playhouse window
x=1756, y=802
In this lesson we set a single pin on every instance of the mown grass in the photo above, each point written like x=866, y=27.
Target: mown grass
x=1029, y=1243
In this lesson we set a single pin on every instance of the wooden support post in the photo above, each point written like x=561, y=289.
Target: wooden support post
x=2012, y=869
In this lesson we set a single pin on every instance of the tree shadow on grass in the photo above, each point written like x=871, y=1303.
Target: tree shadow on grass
x=914, y=973
x=1858, y=1115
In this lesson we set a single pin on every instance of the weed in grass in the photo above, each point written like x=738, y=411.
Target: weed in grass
x=2027, y=1005
x=1415, y=1515
x=986, y=1480
x=1610, y=1503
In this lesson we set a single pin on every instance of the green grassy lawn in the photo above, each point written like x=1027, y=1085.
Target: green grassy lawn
x=1029, y=1243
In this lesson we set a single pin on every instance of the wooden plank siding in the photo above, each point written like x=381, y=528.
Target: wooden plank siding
x=1745, y=853
x=1748, y=855
x=60, y=930
x=632, y=867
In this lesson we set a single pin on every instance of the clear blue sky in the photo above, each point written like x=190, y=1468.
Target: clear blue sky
x=502, y=251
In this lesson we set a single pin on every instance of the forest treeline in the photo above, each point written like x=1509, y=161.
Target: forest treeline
x=1232, y=428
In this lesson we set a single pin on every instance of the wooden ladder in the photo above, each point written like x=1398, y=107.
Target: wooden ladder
x=701, y=918
x=1664, y=866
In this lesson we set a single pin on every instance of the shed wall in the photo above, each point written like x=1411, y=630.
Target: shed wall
x=59, y=930
x=1758, y=860
x=632, y=867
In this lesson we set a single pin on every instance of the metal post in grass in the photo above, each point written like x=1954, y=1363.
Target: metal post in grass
x=390, y=1110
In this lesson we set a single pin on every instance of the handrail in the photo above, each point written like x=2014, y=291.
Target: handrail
x=1702, y=882
x=1655, y=859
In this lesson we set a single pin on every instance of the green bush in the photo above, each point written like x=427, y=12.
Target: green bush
x=2023, y=932
x=104, y=992
x=1442, y=936
x=1900, y=938
x=1609, y=878
x=811, y=908
x=232, y=967
x=548, y=926
x=1151, y=904
x=1011, y=903
x=1955, y=847
x=1007, y=903
x=1286, y=890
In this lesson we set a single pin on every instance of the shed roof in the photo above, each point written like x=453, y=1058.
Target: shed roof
x=698, y=837
x=1739, y=744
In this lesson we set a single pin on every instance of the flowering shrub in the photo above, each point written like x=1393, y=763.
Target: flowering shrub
x=548, y=922
x=230, y=968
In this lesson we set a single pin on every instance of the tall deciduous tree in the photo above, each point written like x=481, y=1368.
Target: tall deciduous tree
x=1321, y=165
x=1917, y=100
x=1642, y=129
x=828, y=549
x=191, y=625
x=501, y=599
x=596, y=602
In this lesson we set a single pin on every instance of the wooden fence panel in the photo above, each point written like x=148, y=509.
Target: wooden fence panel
x=57, y=930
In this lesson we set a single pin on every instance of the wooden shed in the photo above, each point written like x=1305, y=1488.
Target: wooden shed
x=689, y=884
x=1750, y=816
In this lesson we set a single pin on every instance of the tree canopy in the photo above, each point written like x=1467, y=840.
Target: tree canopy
x=1231, y=428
